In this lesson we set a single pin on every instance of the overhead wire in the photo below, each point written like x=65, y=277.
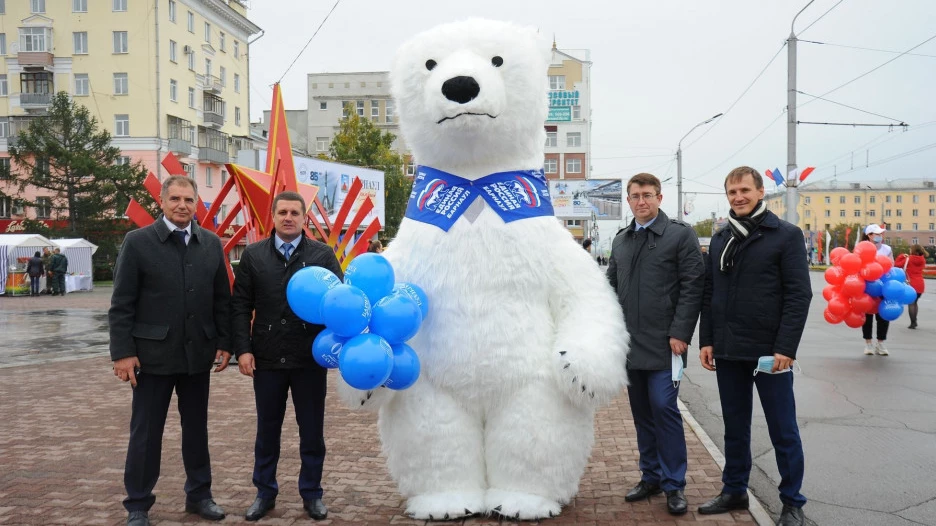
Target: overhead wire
x=291, y=64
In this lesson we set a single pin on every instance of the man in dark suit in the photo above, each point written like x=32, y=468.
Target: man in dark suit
x=276, y=352
x=169, y=323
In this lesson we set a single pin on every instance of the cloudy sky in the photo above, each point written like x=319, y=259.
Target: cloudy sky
x=662, y=67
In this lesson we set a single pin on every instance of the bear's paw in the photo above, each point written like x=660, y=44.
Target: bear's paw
x=447, y=505
x=516, y=505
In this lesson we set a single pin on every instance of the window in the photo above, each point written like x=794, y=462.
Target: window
x=360, y=108
x=223, y=180
x=189, y=170
x=932, y=226
x=173, y=51
x=932, y=212
x=808, y=225
x=899, y=226
x=411, y=168
x=887, y=213
x=556, y=82
x=887, y=199
x=120, y=5
x=914, y=240
x=808, y=214
x=123, y=160
x=82, y=85
x=857, y=213
x=36, y=83
x=222, y=210
x=2, y=43
x=208, y=178
x=173, y=90
x=916, y=227
x=573, y=166
x=828, y=200
x=223, y=74
x=191, y=61
x=43, y=208
x=827, y=214
x=4, y=168
x=35, y=38
x=207, y=68
x=191, y=97
x=236, y=49
x=2, y=7
x=932, y=240
x=191, y=22
x=221, y=43
x=870, y=213
x=207, y=32
x=932, y=198
x=841, y=213
x=871, y=199
x=41, y=169
x=122, y=125
x=576, y=113
x=120, y=42
x=4, y=87
x=172, y=11
x=551, y=139
x=551, y=165
x=237, y=118
x=321, y=144
x=79, y=6
x=121, y=84
x=37, y=6
x=6, y=206
x=807, y=199
x=388, y=110
x=841, y=199
x=857, y=199
x=900, y=199
x=574, y=139
x=916, y=213
x=374, y=110
x=916, y=198
x=236, y=83
x=899, y=213
x=80, y=40
x=4, y=129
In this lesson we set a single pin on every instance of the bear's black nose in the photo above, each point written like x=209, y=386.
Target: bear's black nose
x=460, y=89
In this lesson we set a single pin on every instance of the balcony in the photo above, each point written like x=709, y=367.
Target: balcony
x=209, y=83
x=213, y=119
x=180, y=136
x=35, y=58
x=35, y=100
x=213, y=146
x=180, y=147
x=34, y=46
x=213, y=156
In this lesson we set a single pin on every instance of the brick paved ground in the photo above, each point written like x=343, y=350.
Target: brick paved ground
x=64, y=428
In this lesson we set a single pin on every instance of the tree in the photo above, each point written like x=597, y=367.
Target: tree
x=838, y=235
x=360, y=143
x=703, y=228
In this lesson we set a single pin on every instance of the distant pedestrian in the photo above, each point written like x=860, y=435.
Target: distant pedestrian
x=47, y=265
x=875, y=234
x=913, y=264
x=59, y=267
x=374, y=245
x=35, y=269
x=587, y=244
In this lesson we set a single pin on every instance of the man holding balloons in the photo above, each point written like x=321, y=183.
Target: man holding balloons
x=275, y=351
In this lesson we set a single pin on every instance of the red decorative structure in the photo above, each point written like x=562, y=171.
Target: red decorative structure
x=256, y=190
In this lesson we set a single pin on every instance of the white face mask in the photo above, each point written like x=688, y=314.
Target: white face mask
x=677, y=370
x=877, y=239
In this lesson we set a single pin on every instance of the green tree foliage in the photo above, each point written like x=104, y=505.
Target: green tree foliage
x=703, y=228
x=360, y=143
x=838, y=235
x=69, y=159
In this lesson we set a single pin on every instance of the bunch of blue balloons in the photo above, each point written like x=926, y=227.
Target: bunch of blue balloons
x=894, y=290
x=368, y=320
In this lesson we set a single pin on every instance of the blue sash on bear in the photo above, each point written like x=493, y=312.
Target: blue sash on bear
x=440, y=198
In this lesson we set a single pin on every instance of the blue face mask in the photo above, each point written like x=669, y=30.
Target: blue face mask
x=677, y=370
x=765, y=365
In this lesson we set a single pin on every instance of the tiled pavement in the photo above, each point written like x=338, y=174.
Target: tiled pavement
x=64, y=428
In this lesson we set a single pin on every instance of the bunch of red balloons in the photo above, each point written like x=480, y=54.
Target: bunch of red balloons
x=863, y=282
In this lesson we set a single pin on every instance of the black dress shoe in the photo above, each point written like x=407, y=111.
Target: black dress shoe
x=676, y=502
x=138, y=518
x=259, y=508
x=206, y=509
x=641, y=491
x=791, y=516
x=315, y=508
x=725, y=503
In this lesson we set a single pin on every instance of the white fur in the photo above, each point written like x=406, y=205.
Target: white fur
x=524, y=337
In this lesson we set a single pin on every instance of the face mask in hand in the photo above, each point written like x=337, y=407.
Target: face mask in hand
x=677, y=370
x=765, y=365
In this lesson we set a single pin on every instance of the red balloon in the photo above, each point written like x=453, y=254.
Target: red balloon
x=830, y=290
x=885, y=262
x=853, y=285
x=866, y=251
x=862, y=303
x=854, y=319
x=877, y=303
x=836, y=255
x=850, y=263
x=834, y=275
x=838, y=305
x=872, y=271
x=831, y=318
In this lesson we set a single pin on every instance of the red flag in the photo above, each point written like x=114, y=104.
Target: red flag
x=805, y=173
x=847, y=235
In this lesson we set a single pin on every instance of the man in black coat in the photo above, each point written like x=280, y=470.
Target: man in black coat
x=59, y=267
x=35, y=269
x=169, y=323
x=756, y=299
x=657, y=271
x=276, y=351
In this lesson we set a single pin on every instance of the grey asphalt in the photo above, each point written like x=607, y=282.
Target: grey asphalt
x=868, y=423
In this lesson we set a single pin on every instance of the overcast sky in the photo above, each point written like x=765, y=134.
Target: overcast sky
x=663, y=66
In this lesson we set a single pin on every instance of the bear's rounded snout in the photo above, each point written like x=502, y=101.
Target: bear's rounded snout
x=461, y=89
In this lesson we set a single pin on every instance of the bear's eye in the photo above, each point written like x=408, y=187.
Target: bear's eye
x=497, y=61
x=430, y=64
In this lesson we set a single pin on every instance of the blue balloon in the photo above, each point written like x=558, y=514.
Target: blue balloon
x=875, y=288
x=346, y=310
x=365, y=361
x=326, y=347
x=305, y=291
x=893, y=290
x=405, y=368
x=895, y=274
x=910, y=295
x=396, y=318
x=890, y=310
x=415, y=293
x=371, y=273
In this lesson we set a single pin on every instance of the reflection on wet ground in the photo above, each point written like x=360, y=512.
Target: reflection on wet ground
x=41, y=336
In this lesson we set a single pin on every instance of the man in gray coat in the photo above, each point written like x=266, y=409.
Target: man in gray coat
x=657, y=270
x=169, y=323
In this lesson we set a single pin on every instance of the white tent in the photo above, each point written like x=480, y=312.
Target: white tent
x=79, y=252
x=13, y=249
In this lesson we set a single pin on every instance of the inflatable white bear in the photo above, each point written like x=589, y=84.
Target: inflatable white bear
x=524, y=338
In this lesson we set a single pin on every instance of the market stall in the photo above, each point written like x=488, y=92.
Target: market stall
x=15, y=251
x=79, y=252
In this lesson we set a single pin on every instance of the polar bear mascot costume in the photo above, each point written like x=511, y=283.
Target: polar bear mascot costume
x=524, y=338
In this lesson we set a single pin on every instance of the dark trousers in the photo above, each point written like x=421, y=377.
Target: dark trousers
x=660, y=436
x=735, y=382
x=271, y=388
x=58, y=283
x=34, y=284
x=151, y=399
x=882, y=326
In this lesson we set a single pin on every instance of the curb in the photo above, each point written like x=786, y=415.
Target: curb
x=756, y=508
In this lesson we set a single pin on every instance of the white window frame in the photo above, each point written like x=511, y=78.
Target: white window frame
x=576, y=113
x=222, y=72
x=174, y=51
x=374, y=110
x=556, y=82
x=321, y=144
x=208, y=177
x=237, y=116
x=80, y=43
x=82, y=85
x=173, y=90
x=359, y=106
x=120, y=6
x=191, y=61
x=3, y=49
x=573, y=166
x=208, y=32
x=121, y=42
x=551, y=165
x=573, y=139
x=222, y=41
x=552, y=139
x=122, y=125
x=191, y=98
x=172, y=11
x=4, y=86
x=37, y=6
x=191, y=22
x=121, y=83
x=207, y=69
x=389, y=111
x=38, y=39
x=236, y=83
x=236, y=49
x=79, y=6
x=43, y=207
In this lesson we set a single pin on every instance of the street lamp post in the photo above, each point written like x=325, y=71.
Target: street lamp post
x=679, y=212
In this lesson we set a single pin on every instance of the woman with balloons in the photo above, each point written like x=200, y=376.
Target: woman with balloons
x=913, y=264
x=875, y=234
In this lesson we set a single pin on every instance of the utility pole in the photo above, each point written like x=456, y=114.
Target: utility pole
x=791, y=197
x=680, y=212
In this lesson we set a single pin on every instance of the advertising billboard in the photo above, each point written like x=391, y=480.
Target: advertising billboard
x=578, y=198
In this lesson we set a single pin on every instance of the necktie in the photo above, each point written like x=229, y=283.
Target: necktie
x=287, y=249
x=181, y=234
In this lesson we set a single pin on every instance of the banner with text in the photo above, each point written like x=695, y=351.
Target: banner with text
x=578, y=198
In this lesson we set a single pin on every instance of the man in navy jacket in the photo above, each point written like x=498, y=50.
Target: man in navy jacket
x=755, y=303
